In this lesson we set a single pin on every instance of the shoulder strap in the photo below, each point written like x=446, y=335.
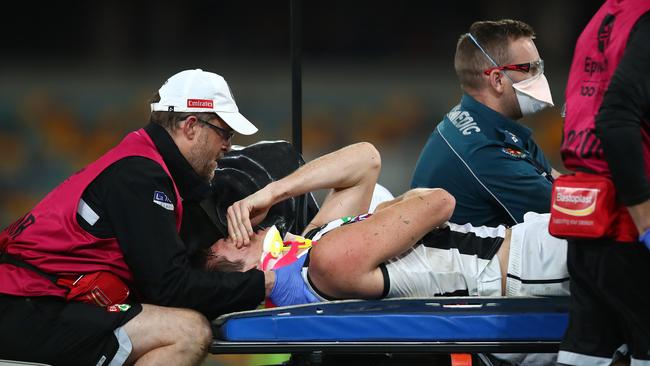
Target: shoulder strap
x=10, y=259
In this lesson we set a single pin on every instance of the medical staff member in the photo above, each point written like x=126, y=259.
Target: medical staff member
x=479, y=152
x=120, y=217
x=607, y=133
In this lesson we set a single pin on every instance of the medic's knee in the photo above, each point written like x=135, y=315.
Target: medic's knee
x=196, y=329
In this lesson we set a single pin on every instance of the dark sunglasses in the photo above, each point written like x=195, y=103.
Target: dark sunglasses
x=225, y=134
x=535, y=68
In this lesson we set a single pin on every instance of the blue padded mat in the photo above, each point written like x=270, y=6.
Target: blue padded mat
x=463, y=319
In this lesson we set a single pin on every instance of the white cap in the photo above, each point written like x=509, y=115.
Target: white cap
x=202, y=91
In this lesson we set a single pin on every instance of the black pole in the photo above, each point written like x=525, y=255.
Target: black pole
x=296, y=74
x=302, y=217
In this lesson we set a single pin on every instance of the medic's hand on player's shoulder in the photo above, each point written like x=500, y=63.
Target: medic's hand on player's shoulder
x=289, y=287
x=645, y=238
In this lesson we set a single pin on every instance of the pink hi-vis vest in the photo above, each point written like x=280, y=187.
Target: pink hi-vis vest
x=50, y=238
x=598, y=52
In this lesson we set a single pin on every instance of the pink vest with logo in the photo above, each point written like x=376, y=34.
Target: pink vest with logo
x=50, y=238
x=597, y=54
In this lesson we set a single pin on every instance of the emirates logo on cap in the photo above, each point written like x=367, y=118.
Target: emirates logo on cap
x=199, y=103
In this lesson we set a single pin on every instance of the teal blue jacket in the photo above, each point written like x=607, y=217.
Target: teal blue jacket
x=489, y=163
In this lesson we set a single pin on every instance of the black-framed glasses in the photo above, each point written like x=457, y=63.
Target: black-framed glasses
x=225, y=134
x=535, y=67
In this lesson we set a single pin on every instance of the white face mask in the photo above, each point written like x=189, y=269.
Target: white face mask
x=533, y=94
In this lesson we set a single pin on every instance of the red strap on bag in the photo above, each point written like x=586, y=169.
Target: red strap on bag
x=99, y=288
x=583, y=206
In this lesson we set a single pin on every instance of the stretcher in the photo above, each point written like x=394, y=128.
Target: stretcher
x=438, y=325
x=314, y=332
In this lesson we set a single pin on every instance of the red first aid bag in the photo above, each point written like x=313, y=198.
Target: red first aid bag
x=583, y=206
x=99, y=288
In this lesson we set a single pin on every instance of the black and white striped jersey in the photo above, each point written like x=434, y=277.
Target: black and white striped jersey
x=452, y=260
x=483, y=241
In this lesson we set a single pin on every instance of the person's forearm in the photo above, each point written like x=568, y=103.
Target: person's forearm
x=641, y=215
x=340, y=169
x=352, y=169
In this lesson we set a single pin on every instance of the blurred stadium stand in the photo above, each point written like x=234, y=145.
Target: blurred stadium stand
x=76, y=76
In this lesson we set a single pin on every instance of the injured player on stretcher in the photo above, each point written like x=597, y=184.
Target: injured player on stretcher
x=405, y=248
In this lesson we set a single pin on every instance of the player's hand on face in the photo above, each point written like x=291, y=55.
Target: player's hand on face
x=244, y=214
x=239, y=223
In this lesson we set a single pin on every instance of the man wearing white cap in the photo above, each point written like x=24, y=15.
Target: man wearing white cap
x=97, y=273
x=201, y=98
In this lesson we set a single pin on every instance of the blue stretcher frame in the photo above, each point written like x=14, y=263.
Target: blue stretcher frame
x=425, y=325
